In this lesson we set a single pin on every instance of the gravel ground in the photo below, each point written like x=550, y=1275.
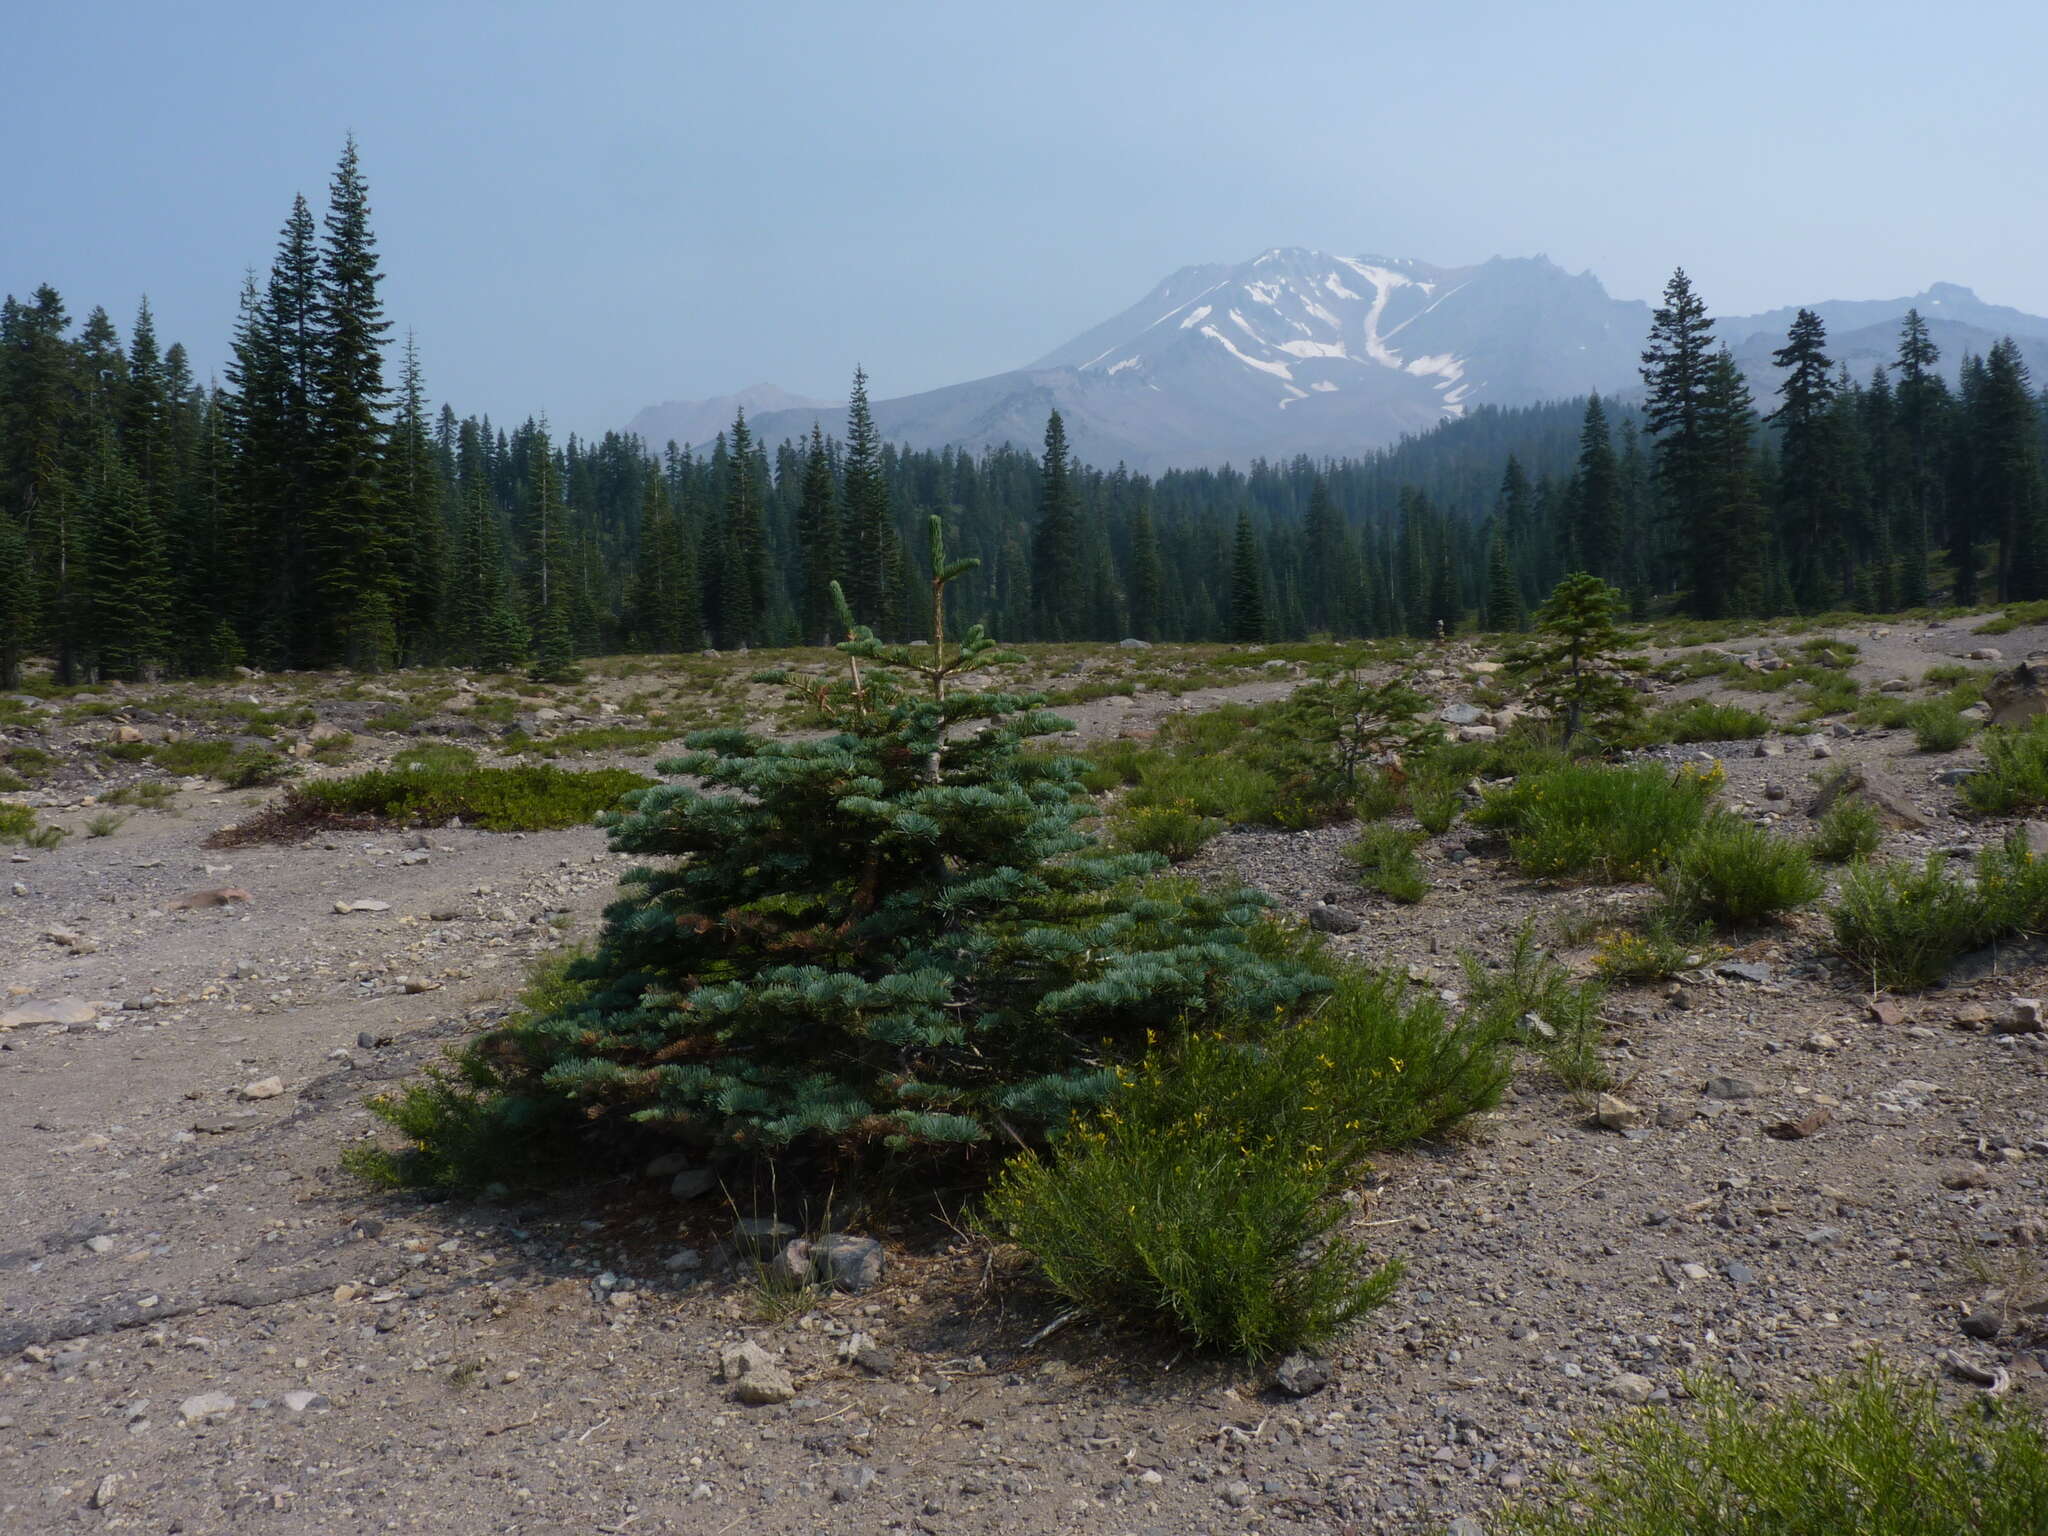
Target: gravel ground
x=205, y=1326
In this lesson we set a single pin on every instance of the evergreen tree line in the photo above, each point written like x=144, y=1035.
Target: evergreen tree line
x=305, y=511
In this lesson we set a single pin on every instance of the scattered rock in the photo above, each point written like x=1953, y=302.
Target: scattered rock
x=106, y=1491
x=205, y=1406
x=368, y=904
x=100, y=1244
x=59, y=1010
x=1614, y=1113
x=2023, y=1019
x=1978, y=1374
x=1730, y=1088
x=1984, y=1323
x=1806, y=1125
x=303, y=1401
x=1876, y=791
x=1966, y=1176
x=755, y=1375
x=264, y=1088
x=1134, y=644
x=846, y=1262
x=861, y=1349
x=1887, y=1012
x=1325, y=918
x=692, y=1182
x=1300, y=1374
x=1631, y=1388
x=221, y=896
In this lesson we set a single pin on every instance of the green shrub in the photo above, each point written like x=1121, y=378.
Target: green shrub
x=631, y=740
x=1436, y=800
x=1385, y=859
x=1938, y=726
x=1652, y=950
x=1175, y=832
x=104, y=824
x=1904, y=925
x=891, y=941
x=150, y=795
x=193, y=759
x=31, y=763
x=253, y=768
x=1848, y=830
x=2015, y=776
x=1610, y=823
x=1223, y=787
x=1702, y=720
x=1565, y=1028
x=1380, y=794
x=1871, y=1454
x=523, y=799
x=16, y=822
x=1115, y=764
x=456, y=1134
x=1732, y=872
x=1201, y=1197
x=433, y=757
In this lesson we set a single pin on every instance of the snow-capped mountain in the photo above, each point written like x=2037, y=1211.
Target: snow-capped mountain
x=1300, y=351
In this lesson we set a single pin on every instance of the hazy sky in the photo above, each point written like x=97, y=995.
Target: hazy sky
x=586, y=208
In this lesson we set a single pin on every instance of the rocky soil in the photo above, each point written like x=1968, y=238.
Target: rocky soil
x=206, y=1326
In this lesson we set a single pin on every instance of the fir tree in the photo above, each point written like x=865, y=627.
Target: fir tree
x=1323, y=563
x=1921, y=411
x=1574, y=667
x=1503, y=592
x=868, y=523
x=1148, y=578
x=1677, y=367
x=1732, y=569
x=1597, y=530
x=2005, y=445
x=894, y=938
x=1247, y=586
x=1809, y=468
x=818, y=542
x=17, y=601
x=417, y=532
x=129, y=583
x=350, y=541
x=743, y=583
x=1057, y=592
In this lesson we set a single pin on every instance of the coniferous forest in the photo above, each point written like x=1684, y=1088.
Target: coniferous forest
x=312, y=508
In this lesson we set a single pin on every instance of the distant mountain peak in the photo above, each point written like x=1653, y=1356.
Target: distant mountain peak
x=1302, y=351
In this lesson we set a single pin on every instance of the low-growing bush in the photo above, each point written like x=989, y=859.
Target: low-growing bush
x=1436, y=800
x=1732, y=872
x=524, y=799
x=1115, y=764
x=1380, y=794
x=104, y=823
x=1938, y=726
x=150, y=795
x=1201, y=1198
x=1703, y=720
x=195, y=759
x=2015, y=776
x=31, y=763
x=1871, y=1454
x=1654, y=949
x=1385, y=859
x=1556, y=1014
x=1904, y=925
x=1848, y=830
x=1609, y=823
x=253, y=768
x=1176, y=832
x=16, y=822
x=433, y=757
x=456, y=1136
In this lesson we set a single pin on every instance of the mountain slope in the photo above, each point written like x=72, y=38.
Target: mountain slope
x=1302, y=352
